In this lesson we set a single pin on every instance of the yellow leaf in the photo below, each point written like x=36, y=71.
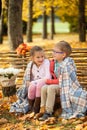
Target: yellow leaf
x=1, y=95
x=64, y=121
x=3, y=121
x=44, y=127
x=37, y=122
x=85, y=128
x=79, y=127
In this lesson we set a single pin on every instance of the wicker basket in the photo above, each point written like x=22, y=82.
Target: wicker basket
x=8, y=86
x=9, y=90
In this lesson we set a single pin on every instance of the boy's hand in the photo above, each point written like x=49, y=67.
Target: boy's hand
x=52, y=81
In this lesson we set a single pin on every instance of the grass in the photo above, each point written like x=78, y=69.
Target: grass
x=60, y=27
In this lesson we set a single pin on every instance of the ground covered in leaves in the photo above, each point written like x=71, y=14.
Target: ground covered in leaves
x=73, y=39
x=14, y=121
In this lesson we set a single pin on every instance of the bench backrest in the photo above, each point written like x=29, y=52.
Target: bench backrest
x=12, y=59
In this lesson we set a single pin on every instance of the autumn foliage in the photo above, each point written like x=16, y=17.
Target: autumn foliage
x=12, y=121
x=22, y=49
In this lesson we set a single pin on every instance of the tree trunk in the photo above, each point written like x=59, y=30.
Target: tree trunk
x=1, y=23
x=52, y=23
x=30, y=22
x=44, y=33
x=82, y=22
x=15, y=23
x=0, y=7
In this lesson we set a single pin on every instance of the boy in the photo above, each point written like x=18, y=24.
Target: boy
x=73, y=97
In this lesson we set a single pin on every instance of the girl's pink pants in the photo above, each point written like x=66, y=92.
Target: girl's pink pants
x=34, y=89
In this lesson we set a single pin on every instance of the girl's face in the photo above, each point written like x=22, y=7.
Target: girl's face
x=58, y=54
x=38, y=57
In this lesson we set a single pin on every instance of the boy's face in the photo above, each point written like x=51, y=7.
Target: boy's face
x=38, y=57
x=58, y=54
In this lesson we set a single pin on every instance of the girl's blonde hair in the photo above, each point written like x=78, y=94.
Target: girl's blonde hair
x=64, y=47
x=35, y=49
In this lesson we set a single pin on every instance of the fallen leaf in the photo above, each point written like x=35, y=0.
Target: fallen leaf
x=38, y=115
x=85, y=124
x=44, y=127
x=77, y=122
x=27, y=116
x=37, y=122
x=79, y=127
x=31, y=115
x=3, y=121
x=55, y=128
x=85, y=128
x=64, y=121
x=71, y=121
x=83, y=118
x=1, y=95
x=23, y=118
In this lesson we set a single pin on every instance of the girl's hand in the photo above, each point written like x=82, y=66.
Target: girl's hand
x=27, y=83
x=33, y=83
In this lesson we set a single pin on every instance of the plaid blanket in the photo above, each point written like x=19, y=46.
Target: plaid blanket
x=73, y=97
x=22, y=104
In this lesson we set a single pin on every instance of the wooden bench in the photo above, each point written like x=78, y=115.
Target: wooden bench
x=79, y=55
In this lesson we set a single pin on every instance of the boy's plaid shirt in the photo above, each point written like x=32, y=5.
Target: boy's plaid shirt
x=73, y=97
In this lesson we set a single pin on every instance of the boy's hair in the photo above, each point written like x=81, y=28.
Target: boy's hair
x=64, y=47
x=34, y=49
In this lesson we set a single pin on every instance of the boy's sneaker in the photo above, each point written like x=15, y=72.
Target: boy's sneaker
x=45, y=116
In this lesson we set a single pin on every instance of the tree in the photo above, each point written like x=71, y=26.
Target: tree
x=0, y=7
x=15, y=23
x=52, y=23
x=81, y=21
x=49, y=9
x=30, y=22
x=44, y=33
x=1, y=23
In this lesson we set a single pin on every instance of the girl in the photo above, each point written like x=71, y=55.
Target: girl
x=73, y=97
x=35, y=76
x=36, y=73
